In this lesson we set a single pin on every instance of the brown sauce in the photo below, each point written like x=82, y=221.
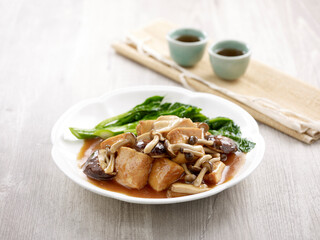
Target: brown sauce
x=230, y=52
x=113, y=186
x=88, y=147
x=188, y=38
x=233, y=163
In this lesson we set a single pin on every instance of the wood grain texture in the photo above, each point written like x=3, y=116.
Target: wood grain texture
x=56, y=53
x=131, y=53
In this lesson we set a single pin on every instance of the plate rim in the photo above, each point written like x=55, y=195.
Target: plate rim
x=87, y=185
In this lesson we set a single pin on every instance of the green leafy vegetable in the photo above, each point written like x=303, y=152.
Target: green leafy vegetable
x=151, y=109
x=226, y=127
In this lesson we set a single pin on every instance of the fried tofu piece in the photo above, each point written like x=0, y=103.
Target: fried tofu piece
x=215, y=176
x=111, y=140
x=165, y=124
x=164, y=172
x=180, y=158
x=182, y=134
x=144, y=126
x=132, y=168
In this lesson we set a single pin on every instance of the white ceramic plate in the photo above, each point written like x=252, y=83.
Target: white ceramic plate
x=88, y=113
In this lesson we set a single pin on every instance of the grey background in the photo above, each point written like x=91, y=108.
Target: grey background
x=54, y=54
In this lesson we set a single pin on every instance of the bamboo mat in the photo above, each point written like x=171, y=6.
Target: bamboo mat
x=271, y=97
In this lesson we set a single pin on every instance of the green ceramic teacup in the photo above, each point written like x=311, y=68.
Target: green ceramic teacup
x=187, y=54
x=226, y=67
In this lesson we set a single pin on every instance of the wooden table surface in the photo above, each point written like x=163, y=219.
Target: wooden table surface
x=54, y=54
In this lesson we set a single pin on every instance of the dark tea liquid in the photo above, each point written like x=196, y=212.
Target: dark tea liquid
x=230, y=52
x=188, y=38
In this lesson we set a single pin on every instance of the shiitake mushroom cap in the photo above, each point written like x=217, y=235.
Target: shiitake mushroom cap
x=222, y=144
x=93, y=169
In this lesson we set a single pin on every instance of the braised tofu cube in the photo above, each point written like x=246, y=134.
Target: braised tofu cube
x=215, y=176
x=165, y=124
x=164, y=172
x=182, y=134
x=132, y=168
x=121, y=137
x=180, y=158
x=144, y=126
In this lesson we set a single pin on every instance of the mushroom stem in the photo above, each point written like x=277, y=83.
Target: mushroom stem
x=213, y=160
x=216, y=155
x=103, y=158
x=151, y=144
x=202, y=160
x=205, y=142
x=118, y=144
x=186, y=169
x=195, y=153
x=204, y=126
x=206, y=166
x=110, y=167
x=187, y=188
x=185, y=146
x=155, y=133
x=189, y=177
x=200, y=176
x=209, y=150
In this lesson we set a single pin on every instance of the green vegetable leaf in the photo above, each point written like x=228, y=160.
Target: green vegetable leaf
x=151, y=109
x=226, y=127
